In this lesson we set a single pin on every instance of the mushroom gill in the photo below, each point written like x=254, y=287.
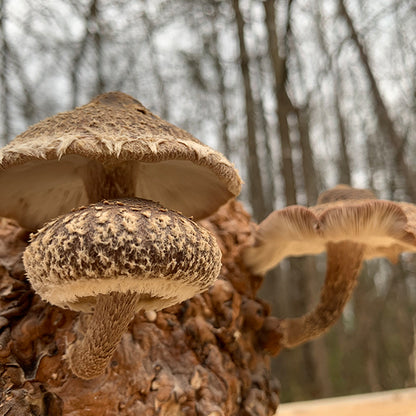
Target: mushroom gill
x=351, y=226
x=113, y=147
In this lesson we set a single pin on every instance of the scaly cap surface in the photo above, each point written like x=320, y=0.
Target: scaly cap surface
x=65, y=161
x=120, y=246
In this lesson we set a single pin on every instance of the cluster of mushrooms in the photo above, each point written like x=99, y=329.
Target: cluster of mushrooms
x=93, y=175
x=109, y=188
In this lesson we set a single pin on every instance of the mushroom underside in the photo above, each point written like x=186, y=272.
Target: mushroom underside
x=350, y=232
x=153, y=293
x=374, y=247
x=58, y=186
x=382, y=226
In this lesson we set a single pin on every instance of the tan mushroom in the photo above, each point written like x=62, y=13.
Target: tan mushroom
x=112, y=147
x=351, y=226
x=114, y=258
x=342, y=192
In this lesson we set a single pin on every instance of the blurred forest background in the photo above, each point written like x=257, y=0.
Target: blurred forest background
x=299, y=94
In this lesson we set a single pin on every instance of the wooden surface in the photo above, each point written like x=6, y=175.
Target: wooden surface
x=389, y=403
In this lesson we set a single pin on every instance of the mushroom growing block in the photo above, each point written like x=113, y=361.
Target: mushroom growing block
x=114, y=258
x=351, y=226
x=112, y=147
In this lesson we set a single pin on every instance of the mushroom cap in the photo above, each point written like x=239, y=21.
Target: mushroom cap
x=342, y=192
x=44, y=170
x=385, y=228
x=119, y=246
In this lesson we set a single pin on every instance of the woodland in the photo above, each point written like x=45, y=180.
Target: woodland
x=300, y=95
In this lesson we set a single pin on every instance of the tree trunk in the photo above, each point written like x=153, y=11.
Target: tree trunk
x=200, y=357
x=269, y=175
x=300, y=269
x=98, y=46
x=308, y=164
x=4, y=84
x=222, y=92
x=344, y=165
x=156, y=67
x=386, y=125
x=80, y=53
x=255, y=186
x=284, y=104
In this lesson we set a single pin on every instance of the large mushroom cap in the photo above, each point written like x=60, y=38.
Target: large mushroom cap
x=131, y=245
x=69, y=160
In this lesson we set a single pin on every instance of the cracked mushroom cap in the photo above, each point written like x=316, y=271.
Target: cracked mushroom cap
x=131, y=245
x=112, y=147
x=384, y=228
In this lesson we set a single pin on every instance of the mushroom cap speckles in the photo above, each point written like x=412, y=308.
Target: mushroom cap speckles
x=54, y=166
x=128, y=245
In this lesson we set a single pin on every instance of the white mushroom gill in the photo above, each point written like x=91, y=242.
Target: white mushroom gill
x=112, y=147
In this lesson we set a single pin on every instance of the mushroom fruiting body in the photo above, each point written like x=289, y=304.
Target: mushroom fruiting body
x=112, y=147
x=342, y=192
x=115, y=258
x=351, y=226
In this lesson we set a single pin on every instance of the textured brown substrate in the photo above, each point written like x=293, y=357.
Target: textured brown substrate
x=197, y=358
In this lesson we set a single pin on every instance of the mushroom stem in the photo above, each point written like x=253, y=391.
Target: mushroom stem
x=344, y=261
x=113, y=312
x=108, y=182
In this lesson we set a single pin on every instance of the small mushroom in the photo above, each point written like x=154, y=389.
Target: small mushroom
x=112, y=147
x=114, y=258
x=342, y=192
x=351, y=226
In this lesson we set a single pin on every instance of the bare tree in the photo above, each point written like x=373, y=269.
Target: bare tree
x=254, y=174
x=4, y=68
x=386, y=124
x=284, y=104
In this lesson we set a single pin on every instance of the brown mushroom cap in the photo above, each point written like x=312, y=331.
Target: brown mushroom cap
x=112, y=147
x=131, y=245
x=342, y=192
x=114, y=258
